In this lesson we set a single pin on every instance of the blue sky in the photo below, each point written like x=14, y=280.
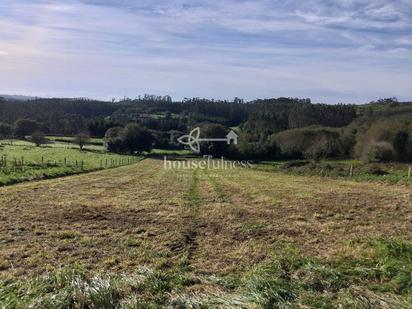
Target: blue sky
x=330, y=51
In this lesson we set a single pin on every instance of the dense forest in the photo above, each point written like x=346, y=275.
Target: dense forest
x=282, y=128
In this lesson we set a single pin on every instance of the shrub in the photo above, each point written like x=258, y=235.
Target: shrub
x=379, y=152
x=252, y=146
x=310, y=143
x=38, y=138
x=112, y=139
x=396, y=134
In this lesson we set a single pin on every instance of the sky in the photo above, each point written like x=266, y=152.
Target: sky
x=347, y=51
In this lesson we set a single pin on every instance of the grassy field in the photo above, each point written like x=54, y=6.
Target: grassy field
x=22, y=161
x=141, y=236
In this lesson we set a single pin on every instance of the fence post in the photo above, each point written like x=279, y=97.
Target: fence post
x=351, y=170
x=410, y=172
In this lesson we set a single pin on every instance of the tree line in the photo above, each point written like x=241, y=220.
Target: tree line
x=282, y=128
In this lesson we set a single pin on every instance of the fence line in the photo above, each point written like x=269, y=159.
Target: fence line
x=21, y=163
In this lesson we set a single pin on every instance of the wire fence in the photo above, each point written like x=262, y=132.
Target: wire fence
x=21, y=164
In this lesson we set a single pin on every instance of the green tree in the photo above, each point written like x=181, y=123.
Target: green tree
x=6, y=130
x=38, y=138
x=136, y=138
x=214, y=148
x=112, y=139
x=82, y=139
x=24, y=127
x=132, y=138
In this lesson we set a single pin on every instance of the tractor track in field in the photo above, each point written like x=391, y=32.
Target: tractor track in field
x=189, y=225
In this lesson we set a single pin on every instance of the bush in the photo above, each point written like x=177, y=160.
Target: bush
x=112, y=139
x=309, y=143
x=395, y=136
x=38, y=138
x=379, y=152
x=254, y=146
x=376, y=170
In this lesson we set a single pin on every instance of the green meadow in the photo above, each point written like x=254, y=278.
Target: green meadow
x=23, y=161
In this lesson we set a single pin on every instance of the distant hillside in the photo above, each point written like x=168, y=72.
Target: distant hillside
x=270, y=129
x=17, y=97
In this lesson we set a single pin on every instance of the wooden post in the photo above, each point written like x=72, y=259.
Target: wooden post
x=351, y=170
x=410, y=172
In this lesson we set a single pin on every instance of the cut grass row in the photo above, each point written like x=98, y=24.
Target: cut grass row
x=376, y=275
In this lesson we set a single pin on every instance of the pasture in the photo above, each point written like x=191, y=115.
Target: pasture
x=22, y=161
x=141, y=236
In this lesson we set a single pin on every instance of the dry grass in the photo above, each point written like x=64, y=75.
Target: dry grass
x=214, y=222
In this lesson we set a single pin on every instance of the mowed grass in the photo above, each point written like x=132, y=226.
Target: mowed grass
x=142, y=236
x=52, y=160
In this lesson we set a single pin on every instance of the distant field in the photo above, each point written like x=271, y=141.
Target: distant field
x=171, y=152
x=21, y=160
x=140, y=236
x=93, y=140
x=394, y=173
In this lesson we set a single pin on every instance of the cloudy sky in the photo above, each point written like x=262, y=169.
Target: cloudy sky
x=331, y=51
